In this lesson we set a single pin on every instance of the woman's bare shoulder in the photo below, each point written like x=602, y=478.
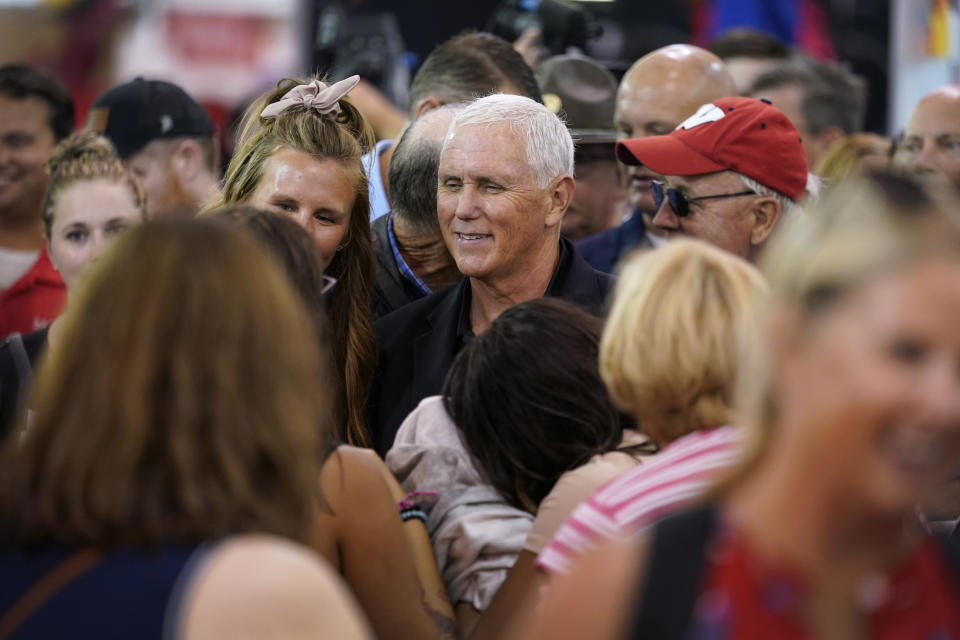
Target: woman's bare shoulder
x=261, y=586
x=591, y=601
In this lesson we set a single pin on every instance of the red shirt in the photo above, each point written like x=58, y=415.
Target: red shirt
x=33, y=301
x=742, y=597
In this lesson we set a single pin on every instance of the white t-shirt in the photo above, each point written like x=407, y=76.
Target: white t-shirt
x=13, y=264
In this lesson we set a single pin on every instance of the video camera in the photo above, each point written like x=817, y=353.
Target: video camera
x=562, y=24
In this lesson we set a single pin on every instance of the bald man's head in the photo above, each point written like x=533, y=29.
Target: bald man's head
x=659, y=92
x=412, y=178
x=931, y=143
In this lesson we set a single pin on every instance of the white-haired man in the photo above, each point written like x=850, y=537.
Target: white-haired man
x=504, y=183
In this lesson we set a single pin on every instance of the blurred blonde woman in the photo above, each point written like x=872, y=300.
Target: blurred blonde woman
x=91, y=198
x=387, y=562
x=853, y=406
x=671, y=356
x=167, y=484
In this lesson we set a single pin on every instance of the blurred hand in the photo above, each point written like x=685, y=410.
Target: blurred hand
x=527, y=45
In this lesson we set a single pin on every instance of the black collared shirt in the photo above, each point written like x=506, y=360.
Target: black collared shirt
x=465, y=327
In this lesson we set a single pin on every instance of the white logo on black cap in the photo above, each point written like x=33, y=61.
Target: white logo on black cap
x=166, y=124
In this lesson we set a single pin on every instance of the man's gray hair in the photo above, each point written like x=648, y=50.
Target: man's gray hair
x=832, y=96
x=546, y=138
x=788, y=208
x=412, y=176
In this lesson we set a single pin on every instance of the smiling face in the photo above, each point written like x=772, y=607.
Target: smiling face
x=318, y=194
x=26, y=141
x=727, y=223
x=496, y=222
x=87, y=218
x=872, y=385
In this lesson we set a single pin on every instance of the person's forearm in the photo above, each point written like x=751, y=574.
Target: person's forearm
x=421, y=549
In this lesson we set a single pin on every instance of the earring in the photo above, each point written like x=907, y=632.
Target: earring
x=340, y=246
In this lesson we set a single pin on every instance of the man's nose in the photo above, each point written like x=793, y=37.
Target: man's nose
x=665, y=217
x=926, y=159
x=466, y=202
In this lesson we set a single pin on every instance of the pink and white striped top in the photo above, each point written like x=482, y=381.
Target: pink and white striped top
x=638, y=498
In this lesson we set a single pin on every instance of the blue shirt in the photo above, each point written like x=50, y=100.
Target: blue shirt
x=402, y=266
x=379, y=205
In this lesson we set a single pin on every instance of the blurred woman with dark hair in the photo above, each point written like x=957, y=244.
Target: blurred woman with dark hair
x=524, y=423
x=167, y=482
x=387, y=562
x=853, y=405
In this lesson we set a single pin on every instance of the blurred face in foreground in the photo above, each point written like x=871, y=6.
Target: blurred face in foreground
x=870, y=386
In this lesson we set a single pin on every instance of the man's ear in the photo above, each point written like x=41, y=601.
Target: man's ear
x=187, y=159
x=429, y=103
x=560, y=192
x=766, y=212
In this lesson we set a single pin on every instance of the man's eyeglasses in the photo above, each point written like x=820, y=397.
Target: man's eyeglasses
x=681, y=203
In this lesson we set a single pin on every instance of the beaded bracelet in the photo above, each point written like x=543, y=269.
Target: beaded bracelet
x=414, y=513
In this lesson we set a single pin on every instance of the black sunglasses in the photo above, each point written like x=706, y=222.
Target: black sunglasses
x=681, y=203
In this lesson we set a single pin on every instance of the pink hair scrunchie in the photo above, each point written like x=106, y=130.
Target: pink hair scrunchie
x=325, y=99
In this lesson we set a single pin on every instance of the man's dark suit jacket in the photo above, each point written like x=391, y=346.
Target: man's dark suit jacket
x=419, y=342
x=391, y=290
x=605, y=249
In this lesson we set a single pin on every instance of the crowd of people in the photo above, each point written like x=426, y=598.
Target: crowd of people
x=564, y=357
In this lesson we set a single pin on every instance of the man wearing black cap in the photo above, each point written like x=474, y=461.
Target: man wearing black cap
x=167, y=140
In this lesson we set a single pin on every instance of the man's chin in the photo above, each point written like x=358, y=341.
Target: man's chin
x=471, y=268
x=13, y=199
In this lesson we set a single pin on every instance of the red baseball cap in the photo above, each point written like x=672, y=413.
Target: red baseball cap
x=745, y=135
